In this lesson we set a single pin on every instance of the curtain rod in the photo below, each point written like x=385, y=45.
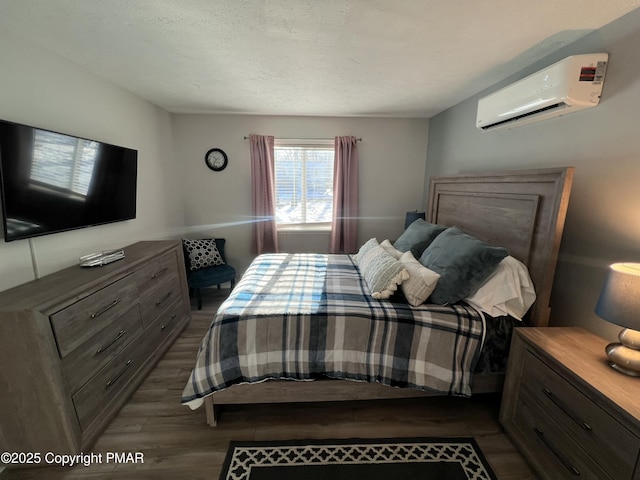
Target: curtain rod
x=284, y=138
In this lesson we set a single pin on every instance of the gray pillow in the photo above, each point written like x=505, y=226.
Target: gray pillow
x=417, y=249
x=463, y=262
x=419, y=231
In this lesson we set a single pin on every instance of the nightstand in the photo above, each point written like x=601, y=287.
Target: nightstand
x=567, y=411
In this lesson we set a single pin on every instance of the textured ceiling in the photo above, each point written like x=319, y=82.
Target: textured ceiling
x=406, y=58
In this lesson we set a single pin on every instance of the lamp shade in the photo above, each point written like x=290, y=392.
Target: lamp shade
x=412, y=217
x=619, y=300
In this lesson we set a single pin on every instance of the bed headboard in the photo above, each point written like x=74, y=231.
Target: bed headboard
x=523, y=211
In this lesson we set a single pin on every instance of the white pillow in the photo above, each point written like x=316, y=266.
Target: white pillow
x=382, y=272
x=391, y=250
x=421, y=281
x=508, y=291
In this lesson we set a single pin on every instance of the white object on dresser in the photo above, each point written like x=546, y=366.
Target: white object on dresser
x=101, y=258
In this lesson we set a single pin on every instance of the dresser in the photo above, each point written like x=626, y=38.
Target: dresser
x=567, y=411
x=74, y=345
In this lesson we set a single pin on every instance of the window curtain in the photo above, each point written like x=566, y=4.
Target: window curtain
x=264, y=235
x=344, y=227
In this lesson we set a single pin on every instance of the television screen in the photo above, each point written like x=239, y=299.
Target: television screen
x=52, y=182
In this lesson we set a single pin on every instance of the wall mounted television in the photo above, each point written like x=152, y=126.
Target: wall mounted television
x=51, y=182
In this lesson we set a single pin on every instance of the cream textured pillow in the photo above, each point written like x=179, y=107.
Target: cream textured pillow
x=421, y=281
x=381, y=271
x=391, y=250
x=365, y=247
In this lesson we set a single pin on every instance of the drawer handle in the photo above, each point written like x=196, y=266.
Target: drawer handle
x=118, y=337
x=561, y=405
x=162, y=327
x=163, y=299
x=115, y=379
x=159, y=272
x=555, y=451
x=108, y=307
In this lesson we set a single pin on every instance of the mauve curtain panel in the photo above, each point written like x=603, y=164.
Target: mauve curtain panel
x=264, y=235
x=344, y=228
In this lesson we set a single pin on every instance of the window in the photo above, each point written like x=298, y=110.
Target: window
x=304, y=182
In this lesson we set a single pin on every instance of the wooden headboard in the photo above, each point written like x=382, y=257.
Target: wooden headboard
x=523, y=211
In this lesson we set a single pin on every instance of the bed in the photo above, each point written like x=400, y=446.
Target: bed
x=305, y=305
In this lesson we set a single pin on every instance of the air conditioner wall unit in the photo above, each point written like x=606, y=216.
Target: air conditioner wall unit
x=567, y=86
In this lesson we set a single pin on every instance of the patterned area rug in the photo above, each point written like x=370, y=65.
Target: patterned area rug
x=371, y=459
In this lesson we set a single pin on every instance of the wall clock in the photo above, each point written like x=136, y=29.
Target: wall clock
x=216, y=159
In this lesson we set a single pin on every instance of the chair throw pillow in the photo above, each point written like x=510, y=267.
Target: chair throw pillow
x=202, y=253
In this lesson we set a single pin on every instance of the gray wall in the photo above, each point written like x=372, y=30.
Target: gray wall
x=42, y=89
x=603, y=144
x=177, y=194
x=391, y=172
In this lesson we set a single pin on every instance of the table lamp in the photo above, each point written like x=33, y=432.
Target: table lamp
x=619, y=303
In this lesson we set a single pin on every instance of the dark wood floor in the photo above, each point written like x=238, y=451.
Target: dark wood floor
x=177, y=443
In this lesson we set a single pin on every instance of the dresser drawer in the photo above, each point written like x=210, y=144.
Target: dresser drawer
x=94, y=396
x=78, y=322
x=151, y=275
x=561, y=456
x=53, y=379
x=603, y=438
x=164, y=326
x=157, y=299
x=83, y=362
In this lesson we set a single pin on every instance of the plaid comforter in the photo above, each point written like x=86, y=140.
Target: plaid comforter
x=304, y=316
